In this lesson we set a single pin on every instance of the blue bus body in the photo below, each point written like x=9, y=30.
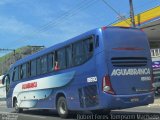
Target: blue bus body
x=116, y=76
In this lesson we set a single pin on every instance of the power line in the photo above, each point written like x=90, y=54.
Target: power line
x=58, y=20
x=61, y=19
x=113, y=22
x=144, y=5
x=6, y=50
x=72, y=13
x=65, y=14
x=128, y=13
x=114, y=10
x=84, y=4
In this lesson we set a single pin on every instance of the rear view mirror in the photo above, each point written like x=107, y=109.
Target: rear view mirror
x=3, y=79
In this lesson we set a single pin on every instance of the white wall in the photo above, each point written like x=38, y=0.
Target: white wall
x=156, y=59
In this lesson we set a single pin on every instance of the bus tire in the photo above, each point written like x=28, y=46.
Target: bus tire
x=158, y=90
x=62, y=108
x=17, y=109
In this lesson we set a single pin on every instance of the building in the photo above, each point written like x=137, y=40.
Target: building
x=149, y=21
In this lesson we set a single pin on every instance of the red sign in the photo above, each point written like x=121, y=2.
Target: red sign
x=29, y=85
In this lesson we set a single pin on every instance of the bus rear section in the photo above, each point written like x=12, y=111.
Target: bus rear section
x=128, y=80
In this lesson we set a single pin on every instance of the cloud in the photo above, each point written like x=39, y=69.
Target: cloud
x=13, y=26
x=26, y=33
x=67, y=27
x=18, y=33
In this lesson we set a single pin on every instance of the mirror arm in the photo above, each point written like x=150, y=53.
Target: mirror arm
x=3, y=80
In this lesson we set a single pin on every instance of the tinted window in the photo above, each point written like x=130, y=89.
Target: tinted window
x=97, y=41
x=88, y=47
x=78, y=53
x=44, y=64
x=61, y=58
x=15, y=74
x=50, y=62
x=33, y=68
x=38, y=66
x=28, y=69
x=83, y=50
x=69, y=56
x=23, y=71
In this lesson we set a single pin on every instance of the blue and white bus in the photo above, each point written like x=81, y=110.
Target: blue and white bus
x=104, y=69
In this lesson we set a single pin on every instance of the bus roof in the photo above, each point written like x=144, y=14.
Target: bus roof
x=54, y=47
x=62, y=44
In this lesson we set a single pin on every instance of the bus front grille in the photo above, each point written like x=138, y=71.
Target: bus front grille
x=128, y=61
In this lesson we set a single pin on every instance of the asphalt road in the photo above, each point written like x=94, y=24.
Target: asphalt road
x=150, y=112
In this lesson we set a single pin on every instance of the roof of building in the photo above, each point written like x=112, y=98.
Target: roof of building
x=141, y=18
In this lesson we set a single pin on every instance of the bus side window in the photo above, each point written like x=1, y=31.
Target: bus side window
x=88, y=47
x=51, y=62
x=91, y=46
x=15, y=74
x=44, y=64
x=28, y=69
x=97, y=41
x=38, y=66
x=61, y=58
x=55, y=62
x=56, y=66
x=33, y=68
x=23, y=71
x=69, y=56
x=78, y=53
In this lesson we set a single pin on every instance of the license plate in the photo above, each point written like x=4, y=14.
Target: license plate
x=134, y=99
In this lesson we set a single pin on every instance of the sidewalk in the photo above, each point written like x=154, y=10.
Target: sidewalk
x=156, y=103
x=2, y=103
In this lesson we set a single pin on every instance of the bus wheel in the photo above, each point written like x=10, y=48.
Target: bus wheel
x=62, y=107
x=17, y=109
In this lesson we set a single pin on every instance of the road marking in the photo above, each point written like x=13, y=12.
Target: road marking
x=35, y=116
x=6, y=113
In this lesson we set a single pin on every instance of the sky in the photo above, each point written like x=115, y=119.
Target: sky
x=48, y=22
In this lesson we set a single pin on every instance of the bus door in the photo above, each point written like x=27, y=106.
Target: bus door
x=6, y=82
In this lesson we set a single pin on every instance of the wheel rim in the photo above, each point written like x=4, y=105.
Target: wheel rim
x=16, y=106
x=62, y=107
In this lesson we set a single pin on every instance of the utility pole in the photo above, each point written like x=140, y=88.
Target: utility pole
x=3, y=49
x=13, y=50
x=132, y=13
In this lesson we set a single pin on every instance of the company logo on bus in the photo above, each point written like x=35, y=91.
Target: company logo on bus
x=29, y=85
x=123, y=72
